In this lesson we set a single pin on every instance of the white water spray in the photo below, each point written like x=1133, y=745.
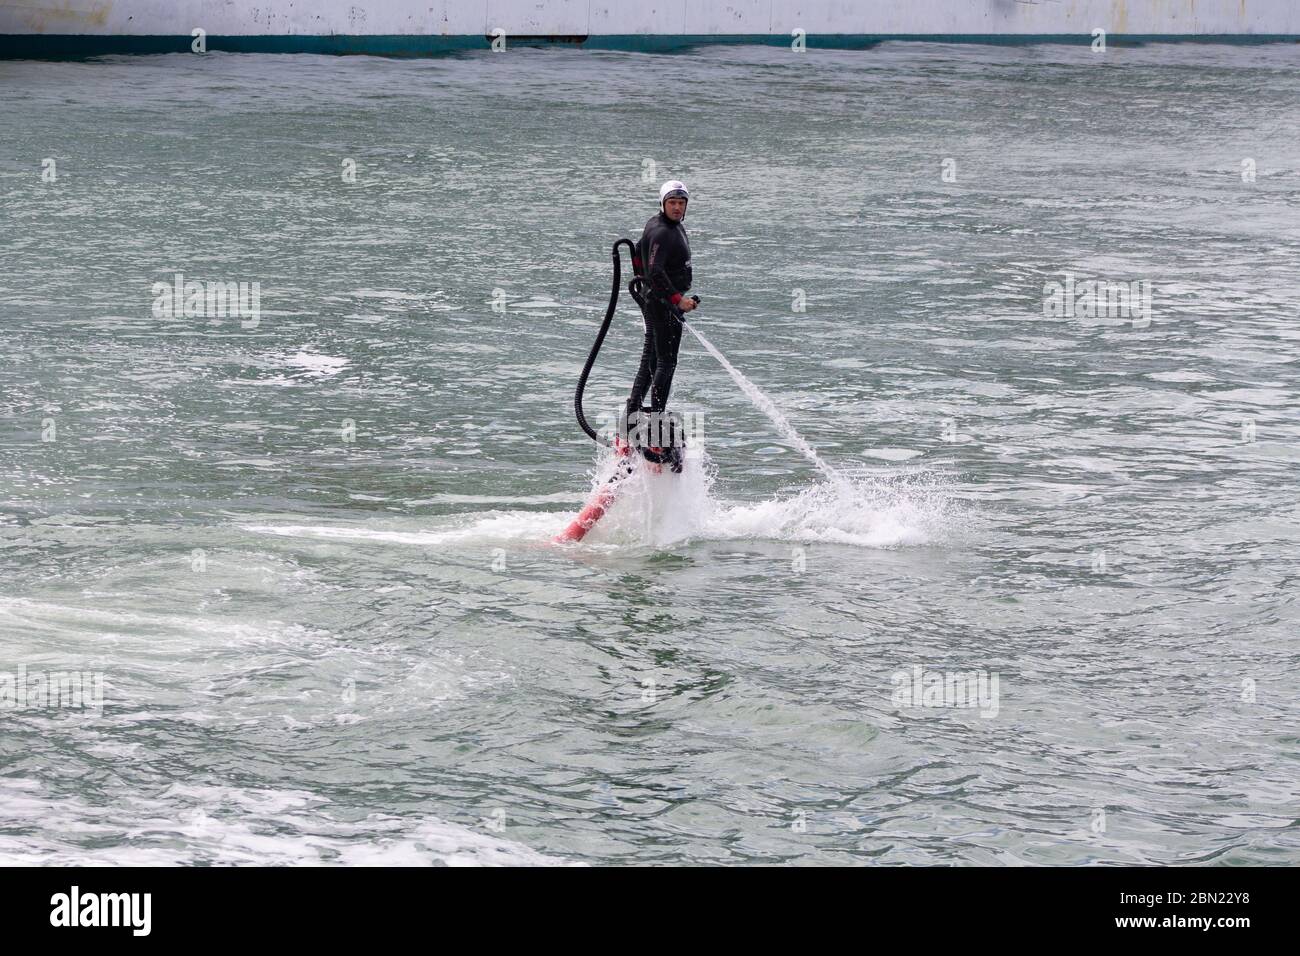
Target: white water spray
x=764, y=404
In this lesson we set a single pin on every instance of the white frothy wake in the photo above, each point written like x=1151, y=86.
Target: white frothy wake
x=474, y=529
x=206, y=824
x=872, y=511
x=654, y=507
x=659, y=510
x=866, y=512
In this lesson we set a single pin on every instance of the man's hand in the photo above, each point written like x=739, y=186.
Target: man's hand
x=688, y=304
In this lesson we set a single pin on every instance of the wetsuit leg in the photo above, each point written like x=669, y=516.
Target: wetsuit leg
x=645, y=373
x=667, y=340
x=663, y=337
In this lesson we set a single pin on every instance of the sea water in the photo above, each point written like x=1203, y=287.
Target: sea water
x=305, y=547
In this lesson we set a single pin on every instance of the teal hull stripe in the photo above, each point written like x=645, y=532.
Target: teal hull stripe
x=73, y=46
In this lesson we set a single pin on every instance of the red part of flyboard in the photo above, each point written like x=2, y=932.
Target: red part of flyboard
x=602, y=500
x=595, y=510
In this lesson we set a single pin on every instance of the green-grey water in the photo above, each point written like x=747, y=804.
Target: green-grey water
x=309, y=554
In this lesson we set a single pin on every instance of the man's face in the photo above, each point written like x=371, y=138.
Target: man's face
x=675, y=208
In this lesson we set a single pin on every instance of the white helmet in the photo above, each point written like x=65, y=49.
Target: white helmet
x=674, y=188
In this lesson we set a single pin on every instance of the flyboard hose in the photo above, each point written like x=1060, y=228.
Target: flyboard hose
x=600, y=337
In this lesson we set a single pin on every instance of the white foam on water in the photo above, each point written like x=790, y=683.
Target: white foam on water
x=478, y=528
x=895, y=509
x=188, y=824
x=867, y=512
x=90, y=625
x=317, y=365
x=654, y=507
x=658, y=509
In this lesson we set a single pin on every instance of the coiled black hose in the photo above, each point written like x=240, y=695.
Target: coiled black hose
x=634, y=287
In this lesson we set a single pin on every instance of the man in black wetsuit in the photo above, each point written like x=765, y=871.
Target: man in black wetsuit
x=664, y=258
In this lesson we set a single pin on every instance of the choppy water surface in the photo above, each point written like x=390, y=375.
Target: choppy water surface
x=320, y=649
